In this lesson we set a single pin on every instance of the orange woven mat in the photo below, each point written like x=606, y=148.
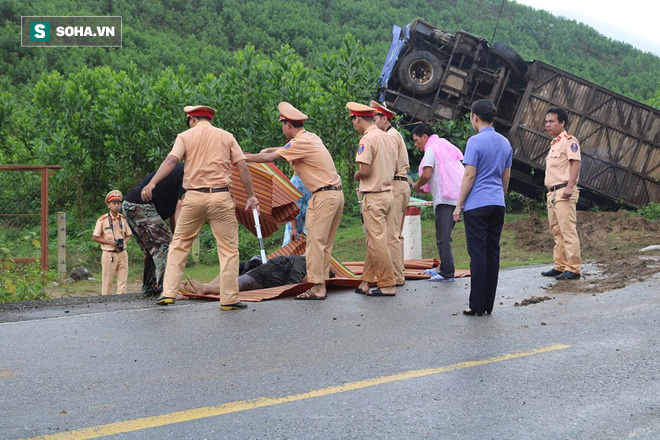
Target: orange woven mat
x=414, y=270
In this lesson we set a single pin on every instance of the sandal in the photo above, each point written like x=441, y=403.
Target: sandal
x=308, y=295
x=378, y=292
x=189, y=284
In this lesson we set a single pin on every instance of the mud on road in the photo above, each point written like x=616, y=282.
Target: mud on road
x=612, y=240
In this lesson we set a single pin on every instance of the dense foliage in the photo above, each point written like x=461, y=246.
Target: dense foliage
x=109, y=128
x=202, y=35
x=109, y=115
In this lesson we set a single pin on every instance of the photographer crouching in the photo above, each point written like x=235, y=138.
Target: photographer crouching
x=112, y=233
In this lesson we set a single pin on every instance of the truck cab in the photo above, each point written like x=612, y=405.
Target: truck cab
x=431, y=75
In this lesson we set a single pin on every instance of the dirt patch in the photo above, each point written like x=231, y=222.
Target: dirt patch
x=532, y=300
x=610, y=239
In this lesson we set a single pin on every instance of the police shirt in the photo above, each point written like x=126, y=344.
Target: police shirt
x=377, y=149
x=402, y=162
x=563, y=149
x=311, y=160
x=111, y=228
x=209, y=153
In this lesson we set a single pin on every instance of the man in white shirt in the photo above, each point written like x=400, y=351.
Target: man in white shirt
x=442, y=170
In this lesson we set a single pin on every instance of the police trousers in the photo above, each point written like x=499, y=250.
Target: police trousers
x=378, y=267
x=323, y=215
x=114, y=264
x=562, y=219
x=197, y=209
x=400, y=199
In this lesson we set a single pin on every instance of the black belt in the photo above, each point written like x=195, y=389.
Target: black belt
x=556, y=187
x=116, y=252
x=210, y=190
x=328, y=188
x=405, y=179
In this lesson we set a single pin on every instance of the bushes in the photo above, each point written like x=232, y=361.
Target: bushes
x=22, y=281
x=650, y=211
x=518, y=203
x=110, y=128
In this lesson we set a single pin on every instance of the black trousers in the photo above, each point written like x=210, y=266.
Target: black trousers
x=444, y=223
x=483, y=228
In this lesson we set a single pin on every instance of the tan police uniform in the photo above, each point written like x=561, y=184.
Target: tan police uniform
x=378, y=150
x=209, y=153
x=562, y=215
x=114, y=263
x=314, y=165
x=400, y=194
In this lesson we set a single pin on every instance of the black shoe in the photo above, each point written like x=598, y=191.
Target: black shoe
x=568, y=275
x=552, y=273
x=469, y=312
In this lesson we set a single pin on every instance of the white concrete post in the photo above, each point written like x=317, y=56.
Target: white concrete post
x=412, y=234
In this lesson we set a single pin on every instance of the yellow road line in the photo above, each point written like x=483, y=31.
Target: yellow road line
x=244, y=405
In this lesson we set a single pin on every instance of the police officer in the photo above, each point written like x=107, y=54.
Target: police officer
x=112, y=232
x=377, y=158
x=562, y=169
x=209, y=153
x=400, y=190
x=313, y=163
x=147, y=221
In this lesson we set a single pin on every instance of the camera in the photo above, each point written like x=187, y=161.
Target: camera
x=120, y=243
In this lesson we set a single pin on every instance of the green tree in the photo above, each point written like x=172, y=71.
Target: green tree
x=107, y=129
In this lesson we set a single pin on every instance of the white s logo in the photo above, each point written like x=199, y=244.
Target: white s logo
x=39, y=31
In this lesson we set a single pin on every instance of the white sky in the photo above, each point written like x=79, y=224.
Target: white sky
x=632, y=21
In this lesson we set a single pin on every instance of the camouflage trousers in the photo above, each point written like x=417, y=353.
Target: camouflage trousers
x=154, y=237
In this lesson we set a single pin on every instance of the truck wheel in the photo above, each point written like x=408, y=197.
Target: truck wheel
x=510, y=57
x=420, y=72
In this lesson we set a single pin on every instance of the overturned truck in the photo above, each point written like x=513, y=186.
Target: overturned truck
x=431, y=75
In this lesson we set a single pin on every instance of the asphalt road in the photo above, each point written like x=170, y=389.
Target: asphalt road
x=350, y=367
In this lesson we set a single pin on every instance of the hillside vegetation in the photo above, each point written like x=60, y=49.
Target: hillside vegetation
x=109, y=115
x=201, y=35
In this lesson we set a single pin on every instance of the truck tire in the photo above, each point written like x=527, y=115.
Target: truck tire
x=510, y=57
x=420, y=72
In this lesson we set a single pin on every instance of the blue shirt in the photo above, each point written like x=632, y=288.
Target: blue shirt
x=302, y=215
x=490, y=153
